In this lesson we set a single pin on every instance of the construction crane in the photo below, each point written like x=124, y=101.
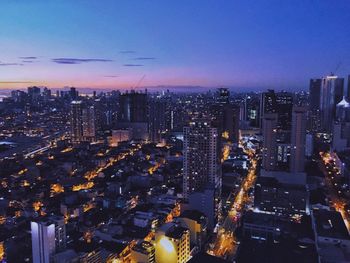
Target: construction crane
x=139, y=82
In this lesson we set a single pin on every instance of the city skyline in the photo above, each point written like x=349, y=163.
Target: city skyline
x=227, y=43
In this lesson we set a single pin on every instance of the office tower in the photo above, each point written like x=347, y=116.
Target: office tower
x=133, y=114
x=48, y=236
x=284, y=101
x=331, y=95
x=76, y=121
x=172, y=243
x=298, y=139
x=314, y=124
x=157, y=119
x=269, y=131
x=200, y=157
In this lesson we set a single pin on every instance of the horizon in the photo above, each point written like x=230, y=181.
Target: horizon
x=120, y=45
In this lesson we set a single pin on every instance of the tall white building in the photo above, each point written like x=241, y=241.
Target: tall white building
x=331, y=94
x=48, y=237
x=200, y=161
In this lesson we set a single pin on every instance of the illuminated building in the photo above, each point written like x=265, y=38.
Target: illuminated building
x=48, y=236
x=200, y=157
x=76, y=121
x=82, y=121
x=89, y=123
x=269, y=144
x=143, y=252
x=120, y=136
x=172, y=244
x=196, y=222
x=297, y=160
x=202, y=173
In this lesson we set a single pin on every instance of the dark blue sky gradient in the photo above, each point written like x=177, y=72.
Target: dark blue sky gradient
x=241, y=44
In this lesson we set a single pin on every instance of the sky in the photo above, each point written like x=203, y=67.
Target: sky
x=243, y=45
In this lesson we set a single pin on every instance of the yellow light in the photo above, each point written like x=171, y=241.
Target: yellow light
x=166, y=244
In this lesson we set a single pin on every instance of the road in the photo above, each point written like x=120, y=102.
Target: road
x=331, y=173
x=225, y=245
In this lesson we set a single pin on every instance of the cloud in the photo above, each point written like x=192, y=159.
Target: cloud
x=11, y=64
x=28, y=57
x=28, y=61
x=145, y=58
x=111, y=76
x=79, y=60
x=127, y=52
x=132, y=65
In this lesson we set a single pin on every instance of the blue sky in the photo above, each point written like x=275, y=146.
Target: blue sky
x=112, y=44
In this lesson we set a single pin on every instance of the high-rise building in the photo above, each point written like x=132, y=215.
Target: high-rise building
x=76, y=121
x=133, y=107
x=200, y=157
x=331, y=94
x=314, y=122
x=268, y=103
x=157, y=119
x=341, y=127
x=284, y=102
x=251, y=111
x=298, y=139
x=82, y=122
x=172, y=243
x=133, y=114
x=48, y=237
x=88, y=123
x=269, y=131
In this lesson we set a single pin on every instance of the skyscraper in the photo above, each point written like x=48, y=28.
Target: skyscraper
x=82, y=121
x=269, y=144
x=200, y=157
x=76, y=121
x=157, y=119
x=297, y=160
x=314, y=123
x=331, y=94
x=133, y=114
x=284, y=102
x=88, y=123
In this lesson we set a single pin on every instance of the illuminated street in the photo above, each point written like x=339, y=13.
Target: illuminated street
x=225, y=245
x=331, y=173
